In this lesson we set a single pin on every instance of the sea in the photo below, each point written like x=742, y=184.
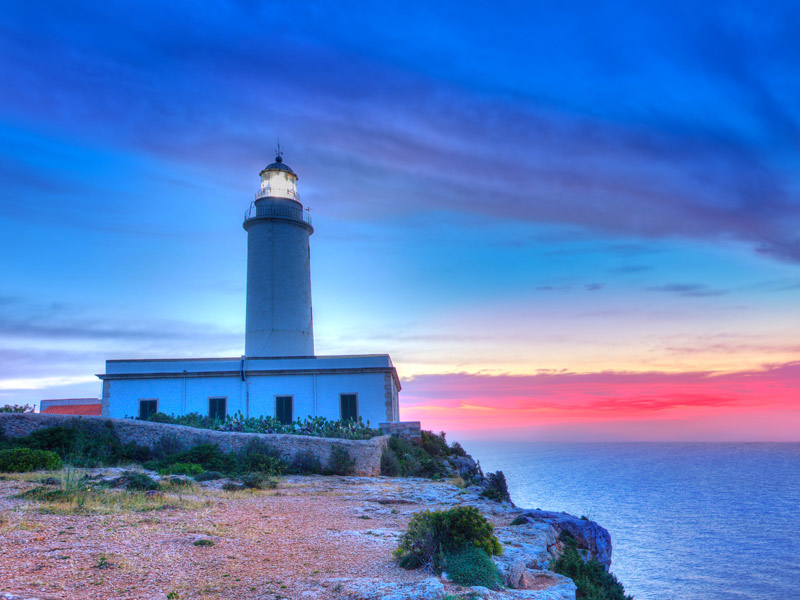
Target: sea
x=688, y=521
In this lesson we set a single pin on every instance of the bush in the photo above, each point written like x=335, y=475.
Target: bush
x=16, y=408
x=21, y=460
x=132, y=480
x=166, y=446
x=340, y=462
x=402, y=458
x=189, y=469
x=457, y=449
x=305, y=463
x=433, y=444
x=260, y=457
x=594, y=582
x=86, y=444
x=208, y=456
x=496, y=488
x=259, y=481
x=432, y=535
x=472, y=566
x=208, y=476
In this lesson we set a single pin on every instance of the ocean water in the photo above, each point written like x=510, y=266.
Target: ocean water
x=688, y=521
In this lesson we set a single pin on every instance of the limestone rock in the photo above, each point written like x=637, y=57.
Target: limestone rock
x=366, y=588
x=589, y=535
x=465, y=467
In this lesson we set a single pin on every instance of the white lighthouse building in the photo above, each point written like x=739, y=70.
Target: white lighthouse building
x=279, y=375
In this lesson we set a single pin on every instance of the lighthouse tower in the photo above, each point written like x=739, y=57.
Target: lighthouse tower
x=278, y=321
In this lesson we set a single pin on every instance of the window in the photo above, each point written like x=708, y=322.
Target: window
x=283, y=409
x=349, y=407
x=217, y=408
x=147, y=408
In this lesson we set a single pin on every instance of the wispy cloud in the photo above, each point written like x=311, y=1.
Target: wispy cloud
x=695, y=290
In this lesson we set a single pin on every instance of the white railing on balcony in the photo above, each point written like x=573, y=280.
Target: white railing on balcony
x=277, y=210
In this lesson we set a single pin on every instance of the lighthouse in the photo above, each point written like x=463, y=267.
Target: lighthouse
x=279, y=375
x=279, y=320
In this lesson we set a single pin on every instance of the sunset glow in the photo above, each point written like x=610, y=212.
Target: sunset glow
x=555, y=236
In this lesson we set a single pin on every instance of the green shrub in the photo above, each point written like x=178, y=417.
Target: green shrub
x=402, y=458
x=21, y=460
x=208, y=456
x=203, y=543
x=433, y=444
x=260, y=457
x=259, y=481
x=594, y=582
x=132, y=480
x=431, y=535
x=305, y=463
x=166, y=446
x=457, y=450
x=340, y=462
x=208, y=476
x=85, y=444
x=520, y=520
x=496, y=488
x=472, y=566
x=16, y=408
x=176, y=481
x=189, y=469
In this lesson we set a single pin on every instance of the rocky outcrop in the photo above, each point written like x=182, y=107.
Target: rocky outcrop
x=530, y=546
x=594, y=541
x=465, y=467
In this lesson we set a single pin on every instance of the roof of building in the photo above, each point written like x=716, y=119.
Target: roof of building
x=279, y=165
x=87, y=410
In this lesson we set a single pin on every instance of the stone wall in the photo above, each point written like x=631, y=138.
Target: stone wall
x=410, y=430
x=366, y=453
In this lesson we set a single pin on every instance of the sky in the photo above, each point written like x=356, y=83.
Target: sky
x=564, y=220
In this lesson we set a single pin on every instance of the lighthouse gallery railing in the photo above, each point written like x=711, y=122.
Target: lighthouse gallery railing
x=277, y=210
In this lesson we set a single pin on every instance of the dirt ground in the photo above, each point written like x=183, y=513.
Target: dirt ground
x=283, y=543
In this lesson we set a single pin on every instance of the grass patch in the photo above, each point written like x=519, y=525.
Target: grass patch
x=77, y=495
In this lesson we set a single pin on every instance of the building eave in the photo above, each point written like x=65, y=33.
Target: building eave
x=249, y=372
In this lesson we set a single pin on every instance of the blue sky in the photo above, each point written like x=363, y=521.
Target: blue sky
x=504, y=189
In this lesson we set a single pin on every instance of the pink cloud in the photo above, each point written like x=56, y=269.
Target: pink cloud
x=757, y=404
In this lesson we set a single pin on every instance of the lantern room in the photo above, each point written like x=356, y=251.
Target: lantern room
x=278, y=181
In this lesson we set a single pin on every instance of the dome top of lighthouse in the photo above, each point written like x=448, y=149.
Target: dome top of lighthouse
x=278, y=165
